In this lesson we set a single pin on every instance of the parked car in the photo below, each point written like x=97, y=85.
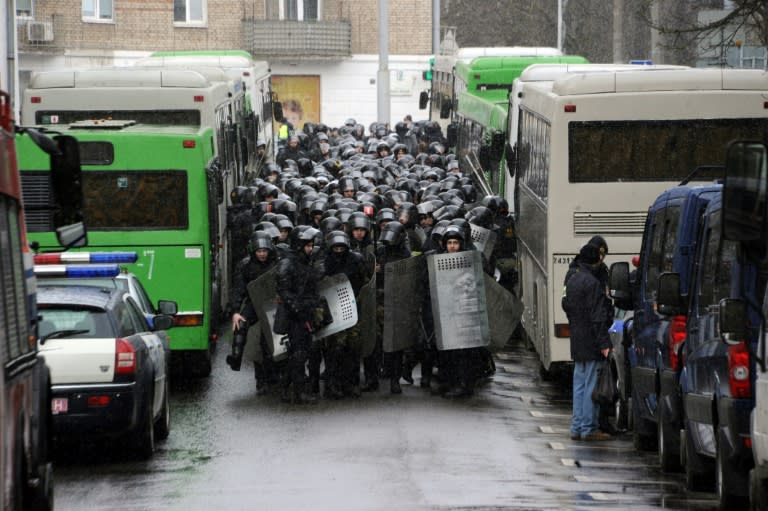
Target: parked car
x=109, y=369
x=656, y=338
x=716, y=378
x=624, y=359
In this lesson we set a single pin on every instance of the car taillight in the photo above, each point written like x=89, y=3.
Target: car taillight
x=738, y=371
x=125, y=357
x=676, y=338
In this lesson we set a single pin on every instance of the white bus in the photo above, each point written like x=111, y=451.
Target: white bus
x=240, y=67
x=595, y=149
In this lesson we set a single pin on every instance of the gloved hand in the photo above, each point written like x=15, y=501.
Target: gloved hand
x=318, y=315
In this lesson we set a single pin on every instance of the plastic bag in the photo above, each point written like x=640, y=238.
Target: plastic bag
x=605, y=391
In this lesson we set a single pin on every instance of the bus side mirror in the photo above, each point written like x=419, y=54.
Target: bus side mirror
x=732, y=316
x=423, y=100
x=669, y=301
x=484, y=157
x=452, y=134
x=277, y=111
x=510, y=155
x=445, y=109
x=744, y=194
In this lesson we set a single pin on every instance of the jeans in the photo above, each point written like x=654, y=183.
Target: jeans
x=585, y=410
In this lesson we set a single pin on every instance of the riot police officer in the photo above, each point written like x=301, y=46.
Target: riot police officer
x=297, y=292
x=260, y=259
x=342, y=356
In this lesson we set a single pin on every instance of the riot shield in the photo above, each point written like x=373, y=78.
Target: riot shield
x=504, y=313
x=263, y=292
x=457, y=290
x=403, y=293
x=367, y=316
x=484, y=239
x=338, y=292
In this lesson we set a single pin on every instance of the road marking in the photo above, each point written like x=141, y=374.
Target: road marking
x=568, y=462
x=598, y=496
x=540, y=415
x=546, y=429
x=632, y=482
x=557, y=446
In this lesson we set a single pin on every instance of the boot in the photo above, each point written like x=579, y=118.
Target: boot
x=409, y=363
x=261, y=381
x=235, y=359
x=394, y=386
x=396, y=368
x=426, y=372
x=371, y=375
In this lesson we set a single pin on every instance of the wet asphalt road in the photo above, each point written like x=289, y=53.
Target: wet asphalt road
x=507, y=447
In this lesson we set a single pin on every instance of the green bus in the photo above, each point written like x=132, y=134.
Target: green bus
x=151, y=189
x=481, y=81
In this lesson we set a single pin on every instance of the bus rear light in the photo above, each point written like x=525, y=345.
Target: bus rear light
x=98, y=401
x=569, y=108
x=199, y=99
x=36, y=99
x=738, y=371
x=213, y=337
x=125, y=357
x=676, y=339
x=188, y=319
x=562, y=330
x=189, y=144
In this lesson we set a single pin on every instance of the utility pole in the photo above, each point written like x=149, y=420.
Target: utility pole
x=435, y=27
x=382, y=81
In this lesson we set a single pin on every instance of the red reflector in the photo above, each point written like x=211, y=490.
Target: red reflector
x=738, y=371
x=188, y=320
x=569, y=108
x=213, y=337
x=562, y=330
x=36, y=99
x=748, y=442
x=96, y=401
x=677, y=334
x=189, y=144
x=199, y=99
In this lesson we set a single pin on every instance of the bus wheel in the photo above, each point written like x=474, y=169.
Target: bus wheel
x=199, y=363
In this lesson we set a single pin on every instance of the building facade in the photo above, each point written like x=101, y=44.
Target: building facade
x=315, y=38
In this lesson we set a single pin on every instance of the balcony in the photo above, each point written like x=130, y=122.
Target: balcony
x=297, y=40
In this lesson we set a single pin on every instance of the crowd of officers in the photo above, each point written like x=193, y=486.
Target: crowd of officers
x=338, y=201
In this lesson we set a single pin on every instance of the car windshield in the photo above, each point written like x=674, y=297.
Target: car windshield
x=80, y=323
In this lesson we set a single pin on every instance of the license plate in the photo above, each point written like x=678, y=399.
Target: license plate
x=59, y=405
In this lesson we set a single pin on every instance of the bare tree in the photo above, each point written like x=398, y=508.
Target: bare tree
x=681, y=28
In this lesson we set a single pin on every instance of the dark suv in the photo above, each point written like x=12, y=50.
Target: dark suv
x=655, y=338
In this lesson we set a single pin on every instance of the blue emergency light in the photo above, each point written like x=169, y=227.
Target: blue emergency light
x=80, y=271
x=86, y=257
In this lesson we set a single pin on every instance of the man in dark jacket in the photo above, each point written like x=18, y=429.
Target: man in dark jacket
x=584, y=303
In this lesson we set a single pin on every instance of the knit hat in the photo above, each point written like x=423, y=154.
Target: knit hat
x=589, y=254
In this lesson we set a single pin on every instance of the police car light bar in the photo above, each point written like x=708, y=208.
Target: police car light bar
x=86, y=257
x=77, y=270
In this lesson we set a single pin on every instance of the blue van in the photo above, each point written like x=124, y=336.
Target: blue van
x=717, y=379
x=656, y=339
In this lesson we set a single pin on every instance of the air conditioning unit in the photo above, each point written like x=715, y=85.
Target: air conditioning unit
x=39, y=31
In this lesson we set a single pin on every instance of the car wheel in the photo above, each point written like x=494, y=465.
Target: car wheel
x=163, y=424
x=144, y=438
x=669, y=442
x=699, y=472
x=724, y=479
x=641, y=438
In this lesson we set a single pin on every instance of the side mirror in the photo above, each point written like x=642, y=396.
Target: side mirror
x=72, y=235
x=167, y=307
x=511, y=156
x=66, y=181
x=162, y=322
x=484, y=157
x=669, y=301
x=618, y=282
x=277, y=111
x=733, y=320
x=445, y=109
x=423, y=100
x=452, y=134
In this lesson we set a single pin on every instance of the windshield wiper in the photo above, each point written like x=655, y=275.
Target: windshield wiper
x=61, y=333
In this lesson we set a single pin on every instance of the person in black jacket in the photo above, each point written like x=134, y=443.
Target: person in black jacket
x=297, y=291
x=584, y=304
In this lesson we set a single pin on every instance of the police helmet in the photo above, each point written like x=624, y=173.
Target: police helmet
x=480, y=216
x=385, y=215
x=337, y=238
x=454, y=232
x=301, y=236
x=359, y=220
x=269, y=228
x=238, y=195
x=259, y=240
x=282, y=222
x=330, y=223
x=392, y=234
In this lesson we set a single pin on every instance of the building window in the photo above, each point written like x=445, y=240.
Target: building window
x=24, y=9
x=296, y=10
x=98, y=10
x=189, y=11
